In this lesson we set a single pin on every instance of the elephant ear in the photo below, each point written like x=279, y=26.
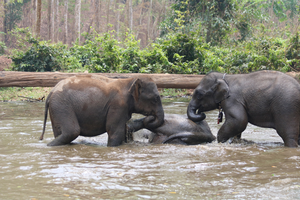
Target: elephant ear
x=134, y=89
x=221, y=91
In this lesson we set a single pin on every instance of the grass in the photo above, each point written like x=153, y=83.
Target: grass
x=37, y=93
x=23, y=93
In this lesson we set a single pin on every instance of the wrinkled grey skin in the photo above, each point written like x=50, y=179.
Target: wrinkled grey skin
x=266, y=98
x=176, y=129
x=89, y=105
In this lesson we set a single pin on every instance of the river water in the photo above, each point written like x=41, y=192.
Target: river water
x=261, y=169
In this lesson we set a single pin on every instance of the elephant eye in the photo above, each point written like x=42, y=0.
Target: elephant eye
x=199, y=94
x=156, y=99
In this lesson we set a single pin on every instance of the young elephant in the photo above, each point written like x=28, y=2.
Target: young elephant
x=176, y=129
x=89, y=105
x=266, y=98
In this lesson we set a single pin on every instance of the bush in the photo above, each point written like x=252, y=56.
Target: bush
x=293, y=52
x=184, y=52
x=176, y=53
x=39, y=57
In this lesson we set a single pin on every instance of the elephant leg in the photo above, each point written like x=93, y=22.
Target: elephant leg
x=288, y=131
x=116, y=127
x=239, y=136
x=65, y=129
x=299, y=137
x=236, y=121
x=66, y=137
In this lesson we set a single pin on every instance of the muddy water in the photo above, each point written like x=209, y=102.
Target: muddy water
x=262, y=169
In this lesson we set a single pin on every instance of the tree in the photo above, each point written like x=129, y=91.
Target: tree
x=34, y=2
x=77, y=19
x=5, y=21
x=214, y=16
x=66, y=22
x=52, y=20
x=49, y=19
x=148, y=22
x=38, y=18
x=97, y=15
x=56, y=20
x=130, y=15
x=107, y=15
x=12, y=15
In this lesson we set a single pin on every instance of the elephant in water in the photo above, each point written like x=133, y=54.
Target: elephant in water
x=90, y=105
x=176, y=129
x=265, y=98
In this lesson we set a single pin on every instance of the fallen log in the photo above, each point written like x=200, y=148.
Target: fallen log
x=50, y=79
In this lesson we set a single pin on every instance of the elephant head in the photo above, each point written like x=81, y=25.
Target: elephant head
x=147, y=101
x=210, y=92
x=176, y=129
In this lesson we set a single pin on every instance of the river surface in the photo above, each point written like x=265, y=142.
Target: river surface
x=261, y=169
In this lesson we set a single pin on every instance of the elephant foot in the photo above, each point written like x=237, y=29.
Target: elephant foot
x=291, y=143
x=62, y=140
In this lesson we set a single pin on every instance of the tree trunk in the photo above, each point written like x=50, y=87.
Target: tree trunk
x=56, y=21
x=33, y=15
x=66, y=22
x=107, y=15
x=49, y=19
x=130, y=17
x=5, y=21
x=118, y=18
x=77, y=19
x=140, y=19
x=52, y=20
x=148, y=36
x=38, y=18
x=50, y=79
x=97, y=15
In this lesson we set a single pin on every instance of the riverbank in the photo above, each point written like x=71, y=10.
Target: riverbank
x=40, y=93
x=23, y=93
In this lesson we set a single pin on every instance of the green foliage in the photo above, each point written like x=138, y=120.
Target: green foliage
x=13, y=14
x=214, y=17
x=2, y=45
x=40, y=56
x=293, y=52
x=175, y=53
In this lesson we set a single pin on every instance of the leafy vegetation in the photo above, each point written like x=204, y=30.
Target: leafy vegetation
x=175, y=53
x=197, y=37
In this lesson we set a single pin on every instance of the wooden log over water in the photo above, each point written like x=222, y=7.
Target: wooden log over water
x=50, y=79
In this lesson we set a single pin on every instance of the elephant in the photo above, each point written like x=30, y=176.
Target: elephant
x=176, y=129
x=89, y=105
x=267, y=99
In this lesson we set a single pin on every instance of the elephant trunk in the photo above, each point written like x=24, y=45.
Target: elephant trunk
x=153, y=121
x=192, y=115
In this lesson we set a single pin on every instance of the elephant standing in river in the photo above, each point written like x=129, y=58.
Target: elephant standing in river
x=266, y=98
x=89, y=105
x=176, y=129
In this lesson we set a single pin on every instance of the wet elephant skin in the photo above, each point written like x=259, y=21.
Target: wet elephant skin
x=266, y=99
x=90, y=105
x=176, y=129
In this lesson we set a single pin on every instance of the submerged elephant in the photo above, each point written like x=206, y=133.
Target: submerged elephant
x=266, y=98
x=89, y=105
x=176, y=129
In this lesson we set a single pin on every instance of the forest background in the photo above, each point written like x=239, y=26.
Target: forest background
x=151, y=36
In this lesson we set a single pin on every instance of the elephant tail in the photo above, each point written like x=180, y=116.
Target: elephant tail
x=45, y=116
